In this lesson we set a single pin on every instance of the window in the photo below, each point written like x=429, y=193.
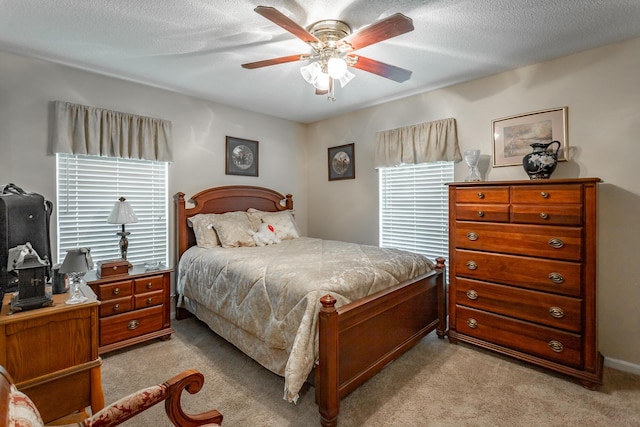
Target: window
x=88, y=187
x=414, y=208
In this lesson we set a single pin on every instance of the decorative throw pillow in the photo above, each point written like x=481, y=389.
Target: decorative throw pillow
x=206, y=236
x=22, y=411
x=283, y=222
x=233, y=229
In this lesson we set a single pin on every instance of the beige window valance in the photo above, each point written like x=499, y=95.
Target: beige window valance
x=422, y=143
x=79, y=129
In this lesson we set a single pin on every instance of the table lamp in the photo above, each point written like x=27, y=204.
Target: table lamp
x=75, y=265
x=122, y=214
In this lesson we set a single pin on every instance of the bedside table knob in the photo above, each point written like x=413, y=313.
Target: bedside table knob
x=472, y=295
x=556, y=243
x=149, y=301
x=472, y=323
x=472, y=236
x=544, y=194
x=116, y=291
x=556, y=278
x=149, y=285
x=480, y=214
x=544, y=215
x=116, y=307
x=480, y=195
x=471, y=265
x=556, y=312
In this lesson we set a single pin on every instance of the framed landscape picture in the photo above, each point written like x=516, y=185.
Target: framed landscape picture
x=342, y=162
x=513, y=135
x=241, y=157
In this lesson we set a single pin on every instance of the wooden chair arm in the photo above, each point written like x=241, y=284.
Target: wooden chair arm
x=192, y=381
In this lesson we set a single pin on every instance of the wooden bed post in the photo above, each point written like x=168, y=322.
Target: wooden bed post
x=327, y=395
x=181, y=242
x=442, y=328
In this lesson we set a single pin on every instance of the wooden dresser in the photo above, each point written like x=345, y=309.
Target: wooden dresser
x=52, y=355
x=523, y=272
x=134, y=307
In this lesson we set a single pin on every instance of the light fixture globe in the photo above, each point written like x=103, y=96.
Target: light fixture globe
x=337, y=67
x=322, y=81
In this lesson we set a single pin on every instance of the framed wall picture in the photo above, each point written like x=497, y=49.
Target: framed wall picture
x=241, y=157
x=513, y=135
x=342, y=162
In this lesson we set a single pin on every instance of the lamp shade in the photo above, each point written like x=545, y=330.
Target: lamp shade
x=77, y=261
x=122, y=213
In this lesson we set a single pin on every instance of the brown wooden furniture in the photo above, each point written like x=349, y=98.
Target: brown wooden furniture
x=134, y=307
x=523, y=280
x=356, y=340
x=124, y=409
x=52, y=354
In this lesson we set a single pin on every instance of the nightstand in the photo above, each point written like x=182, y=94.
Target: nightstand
x=52, y=355
x=135, y=307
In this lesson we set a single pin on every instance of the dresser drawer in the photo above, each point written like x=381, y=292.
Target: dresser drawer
x=128, y=325
x=547, y=343
x=148, y=284
x=535, y=240
x=482, y=212
x=109, y=291
x=547, y=194
x=562, y=277
x=482, y=194
x=149, y=299
x=547, y=309
x=115, y=306
x=550, y=215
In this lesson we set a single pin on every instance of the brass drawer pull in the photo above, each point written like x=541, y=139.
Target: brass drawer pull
x=116, y=307
x=471, y=265
x=149, y=285
x=544, y=194
x=556, y=243
x=480, y=195
x=472, y=295
x=556, y=346
x=556, y=278
x=544, y=215
x=480, y=214
x=133, y=325
x=556, y=312
x=116, y=291
x=472, y=323
x=149, y=301
x=472, y=236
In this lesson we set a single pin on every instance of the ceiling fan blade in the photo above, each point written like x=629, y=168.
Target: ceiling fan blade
x=321, y=91
x=278, y=18
x=274, y=61
x=384, y=29
x=380, y=68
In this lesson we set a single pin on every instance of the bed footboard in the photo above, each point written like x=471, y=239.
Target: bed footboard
x=359, y=339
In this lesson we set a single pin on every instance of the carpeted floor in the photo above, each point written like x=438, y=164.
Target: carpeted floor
x=434, y=384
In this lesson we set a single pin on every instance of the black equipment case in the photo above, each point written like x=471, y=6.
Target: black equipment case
x=24, y=217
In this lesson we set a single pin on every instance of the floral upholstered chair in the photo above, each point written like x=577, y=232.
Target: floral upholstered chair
x=17, y=410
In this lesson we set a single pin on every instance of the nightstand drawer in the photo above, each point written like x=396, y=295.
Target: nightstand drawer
x=128, y=325
x=548, y=215
x=482, y=212
x=148, y=284
x=149, y=299
x=539, y=307
x=547, y=194
x=548, y=343
x=109, y=291
x=115, y=306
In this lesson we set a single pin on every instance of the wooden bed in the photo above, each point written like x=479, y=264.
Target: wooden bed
x=349, y=352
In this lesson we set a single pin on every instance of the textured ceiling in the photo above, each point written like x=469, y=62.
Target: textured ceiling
x=196, y=46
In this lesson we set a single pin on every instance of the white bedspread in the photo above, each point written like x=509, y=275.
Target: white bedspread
x=273, y=292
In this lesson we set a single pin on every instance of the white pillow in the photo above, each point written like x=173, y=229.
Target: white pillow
x=206, y=236
x=233, y=229
x=283, y=222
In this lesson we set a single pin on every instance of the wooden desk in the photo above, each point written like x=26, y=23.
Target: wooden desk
x=52, y=355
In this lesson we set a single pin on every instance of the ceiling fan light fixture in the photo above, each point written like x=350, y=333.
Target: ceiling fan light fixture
x=310, y=72
x=337, y=67
x=322, y=82
x=346, y=78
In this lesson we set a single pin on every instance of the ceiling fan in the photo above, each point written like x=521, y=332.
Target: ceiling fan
x=334, y=46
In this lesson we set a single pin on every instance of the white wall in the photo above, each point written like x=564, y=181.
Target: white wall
x=27, y=86
x=601, y=89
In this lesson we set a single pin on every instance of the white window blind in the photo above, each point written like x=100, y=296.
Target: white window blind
x=88, y=187
x=414, y=208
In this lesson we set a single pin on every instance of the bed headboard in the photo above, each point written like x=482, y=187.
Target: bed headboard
x=220, y=200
